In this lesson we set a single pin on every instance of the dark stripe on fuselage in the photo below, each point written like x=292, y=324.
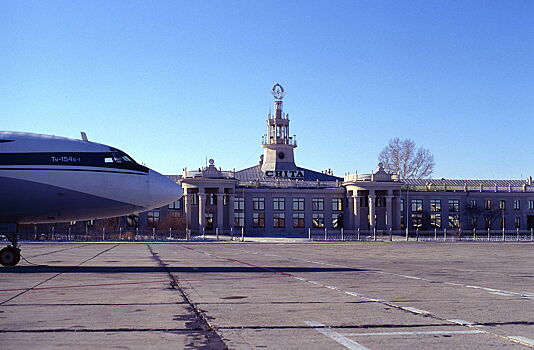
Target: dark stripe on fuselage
x=73, y=169
x=113, y=160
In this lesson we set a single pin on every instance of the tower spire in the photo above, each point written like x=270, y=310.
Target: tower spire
x=277, y=144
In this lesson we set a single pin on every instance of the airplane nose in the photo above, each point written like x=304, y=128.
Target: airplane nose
x=162, y=190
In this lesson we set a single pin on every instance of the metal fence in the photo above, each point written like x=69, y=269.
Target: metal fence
x=437, y=235
x=125, y=234
x=239, y=234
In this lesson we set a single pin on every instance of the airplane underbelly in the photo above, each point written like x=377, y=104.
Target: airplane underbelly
x=117, y=186
x=56, y=197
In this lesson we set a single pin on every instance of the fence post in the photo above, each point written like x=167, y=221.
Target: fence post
x=170, y=233
x=232, y=233
x=35, y=231
x=358, y=233
x=342, y=235
x=309, y=234
x=435, y=234
x=518, y=234
x=103, y=234
x=217, y=233
x=153, y=233
x=391, y=234
x=242, y=234
x=374, y=234
x=489, y=234
x=532, y=234
x=474, y=234
x=444, y=234
x=203, y=233
x=70, y=231
x=120, y=233
x=406, y=234
x=417, y=234
x=503, y=234
x=325, y=235
x=136, y=233
x=460, y=234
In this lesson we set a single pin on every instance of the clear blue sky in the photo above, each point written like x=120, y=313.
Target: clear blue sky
x=171, y=82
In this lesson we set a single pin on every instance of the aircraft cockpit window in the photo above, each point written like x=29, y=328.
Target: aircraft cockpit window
x=108, y=160
x=127, y=159
x=117, y=158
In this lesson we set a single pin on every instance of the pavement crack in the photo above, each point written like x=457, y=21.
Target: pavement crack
x=214, y=340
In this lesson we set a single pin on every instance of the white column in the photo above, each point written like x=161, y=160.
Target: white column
x=350, y=220
x=220, y=212
x=231, y=198
x=356, y=212
x=201, y=210
x=397, y=224
x=389, y=212
x=187, y=207
x=371, y=209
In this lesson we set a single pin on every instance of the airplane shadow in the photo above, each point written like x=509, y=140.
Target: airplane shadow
x=177, y=269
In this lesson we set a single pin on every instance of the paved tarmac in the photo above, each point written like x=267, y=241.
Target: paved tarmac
x=373, y=295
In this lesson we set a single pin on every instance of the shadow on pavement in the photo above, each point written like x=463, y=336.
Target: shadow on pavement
x=184, y=269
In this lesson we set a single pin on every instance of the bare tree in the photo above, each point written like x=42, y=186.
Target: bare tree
x=402, y=157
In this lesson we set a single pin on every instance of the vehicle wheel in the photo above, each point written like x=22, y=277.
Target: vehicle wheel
x=9, y=256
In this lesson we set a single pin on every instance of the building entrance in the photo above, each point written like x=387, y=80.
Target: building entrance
x=530, y=222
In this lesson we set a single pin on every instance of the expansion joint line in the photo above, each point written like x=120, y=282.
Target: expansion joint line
x=411, y=310
x=210, y=330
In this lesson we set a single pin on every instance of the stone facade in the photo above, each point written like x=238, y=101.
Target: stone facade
x=276, y=197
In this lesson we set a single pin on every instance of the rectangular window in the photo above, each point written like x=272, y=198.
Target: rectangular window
x=435, y=205
x=239, y=203
x=487, y=204
x=258, y=219
x=402, y=224
x=298, y=203
x=502, y=204
x=531, y=204
x=279, y=203
x=175, y=205
x=337, y=204
x=517, y=204
x=454, y=206
x=337, y=220
x=454, y=221
x=517, y=222
x=435, y=220
x=474, y=222
x=279, y=220
x=417, y=220
x=258, y=203
x=298, y=220
x=225, y=199
x=194, y=199
x=402, y=205
x=132, y=220
x=212, y=199
x=239, y=219
x=472, y=204
x=318, y=220
x=318, y=204
x=153, y=218
x=487, y=222
x=417, y=205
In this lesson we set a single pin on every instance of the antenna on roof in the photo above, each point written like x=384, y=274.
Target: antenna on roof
x=84, y=136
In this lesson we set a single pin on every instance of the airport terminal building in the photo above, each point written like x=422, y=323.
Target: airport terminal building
x=277, y=197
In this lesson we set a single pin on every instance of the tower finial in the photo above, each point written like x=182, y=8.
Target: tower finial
x=278, y=92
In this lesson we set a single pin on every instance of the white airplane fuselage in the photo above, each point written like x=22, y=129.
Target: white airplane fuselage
x=47, y=178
